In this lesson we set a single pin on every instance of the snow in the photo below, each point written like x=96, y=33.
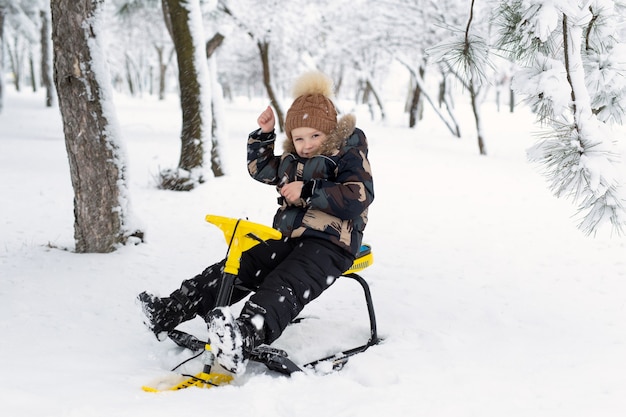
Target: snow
x=489, y=300
x=547, y=78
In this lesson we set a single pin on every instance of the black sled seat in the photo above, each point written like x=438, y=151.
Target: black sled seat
x=278, y=360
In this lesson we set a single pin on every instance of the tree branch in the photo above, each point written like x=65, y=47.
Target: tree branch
x=213, y=43
x=566, y=58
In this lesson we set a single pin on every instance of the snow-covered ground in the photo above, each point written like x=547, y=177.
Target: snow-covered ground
x=490, y=301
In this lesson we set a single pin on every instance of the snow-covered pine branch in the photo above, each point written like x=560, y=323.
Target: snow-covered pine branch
x=574, y=79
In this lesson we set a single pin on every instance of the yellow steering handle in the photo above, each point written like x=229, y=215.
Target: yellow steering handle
x=240, y=236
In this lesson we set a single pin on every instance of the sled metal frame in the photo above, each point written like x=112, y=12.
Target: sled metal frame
x=340, y=359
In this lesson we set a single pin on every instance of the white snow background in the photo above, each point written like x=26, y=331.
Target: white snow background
x=489, y=300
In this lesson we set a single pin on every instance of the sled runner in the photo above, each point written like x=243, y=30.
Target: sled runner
x=242, y=235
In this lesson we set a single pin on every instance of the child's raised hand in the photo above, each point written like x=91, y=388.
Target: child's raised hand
x=266, y=120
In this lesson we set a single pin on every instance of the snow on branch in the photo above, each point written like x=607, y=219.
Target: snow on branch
x=574, y=80
x=582, y=166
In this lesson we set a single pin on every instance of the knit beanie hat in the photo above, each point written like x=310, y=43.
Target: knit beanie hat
x=312, y=106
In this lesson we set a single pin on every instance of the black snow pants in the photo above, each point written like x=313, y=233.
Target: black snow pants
x=284, y=275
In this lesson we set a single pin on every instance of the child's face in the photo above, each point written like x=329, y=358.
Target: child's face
x=307, y=141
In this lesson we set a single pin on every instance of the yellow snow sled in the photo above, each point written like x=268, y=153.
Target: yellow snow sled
x=242, y=235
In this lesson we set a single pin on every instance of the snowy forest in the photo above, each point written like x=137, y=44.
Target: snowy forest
x=565, y=59
x=497, y=144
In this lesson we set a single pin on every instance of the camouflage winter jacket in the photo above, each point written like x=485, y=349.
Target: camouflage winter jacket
x=338, y=185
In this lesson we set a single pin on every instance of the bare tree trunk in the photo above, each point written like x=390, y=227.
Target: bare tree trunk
x=192, y=139
x=179, y=17
x=413, y=108
x=368, y=92
x=264, y=50
x=452, y=125
x=216, y=103
x=216, y=159
x=162, y=71
x=129, y=75
x=163, y=65
x=498, y=96
x=16, y=64
x=46, y=58
x=2, y=14
x=364, y=88
x=477, y=118
x=339, y=82
x=214, y=43
x=379, y=102
x=33, y=77
x=96, y=162
x=473, y=89
x=442, y=92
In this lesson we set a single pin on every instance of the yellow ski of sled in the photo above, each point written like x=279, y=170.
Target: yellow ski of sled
x=201, y=380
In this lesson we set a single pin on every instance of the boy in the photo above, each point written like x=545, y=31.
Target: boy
x=325, y=185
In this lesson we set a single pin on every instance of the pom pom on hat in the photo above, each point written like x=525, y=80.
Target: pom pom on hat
x=313, y=82
x=312, y=106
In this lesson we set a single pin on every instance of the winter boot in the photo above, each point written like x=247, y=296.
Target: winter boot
x=232, y=339
x=163, y=314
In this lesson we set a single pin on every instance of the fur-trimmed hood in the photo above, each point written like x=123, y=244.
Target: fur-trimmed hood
x=336, y=139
